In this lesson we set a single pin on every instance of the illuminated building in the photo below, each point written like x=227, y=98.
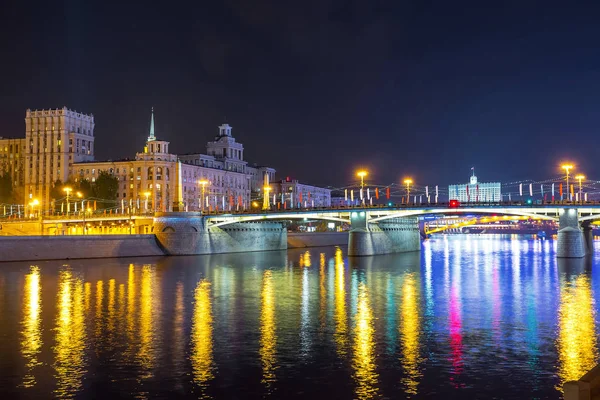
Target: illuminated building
x=293, y=193
x=475, y=192
x=12, y=161
x=59, y=146
x=54, y=140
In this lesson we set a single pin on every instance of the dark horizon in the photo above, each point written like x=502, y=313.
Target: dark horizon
x=317, y=91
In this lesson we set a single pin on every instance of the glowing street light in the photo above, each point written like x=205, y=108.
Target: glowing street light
x=408, y=182
x=361, y=174
x=203, y=183
x=580, y=177
x=68, y=190
x=567, y=167
x=32, y=204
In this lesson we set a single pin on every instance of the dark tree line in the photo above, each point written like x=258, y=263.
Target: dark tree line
x=6, y=188
x=104, y=189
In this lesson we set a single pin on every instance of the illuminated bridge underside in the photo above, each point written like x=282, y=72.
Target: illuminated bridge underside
x=382, y=214
x=381, y=230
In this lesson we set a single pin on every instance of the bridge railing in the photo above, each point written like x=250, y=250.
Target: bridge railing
x=406, y=206
x=71, y=216
x=105, y=213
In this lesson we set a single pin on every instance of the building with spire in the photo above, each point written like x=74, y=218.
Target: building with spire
x=59, y=146
x=475, y=192
x=171, y=181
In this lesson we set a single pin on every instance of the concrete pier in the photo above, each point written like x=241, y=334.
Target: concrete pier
x=571, y=242
x=396, y=235
x=180, y=233
x=588, y=237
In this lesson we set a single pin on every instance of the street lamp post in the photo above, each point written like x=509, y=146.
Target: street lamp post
x=203, y=183
x=408, y=182
x=580, y=177
x=567, y=167
x=361, y=174
x=68, y=190
x=84, y=212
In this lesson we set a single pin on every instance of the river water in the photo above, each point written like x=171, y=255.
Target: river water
x=467, y=317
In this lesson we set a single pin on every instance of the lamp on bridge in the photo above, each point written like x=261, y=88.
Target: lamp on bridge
x=361, y=174
x=203, y=183
x=580, y=177
x=567, y=167
x=408, y=182
x=68, y=190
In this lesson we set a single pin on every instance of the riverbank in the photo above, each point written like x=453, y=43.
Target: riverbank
x=33, y=248
x=30, y=248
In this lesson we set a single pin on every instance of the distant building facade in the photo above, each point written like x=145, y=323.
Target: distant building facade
x=59, y=145
x=173, y=181
x=475, y=192
x=293, y=194
x=13, y=162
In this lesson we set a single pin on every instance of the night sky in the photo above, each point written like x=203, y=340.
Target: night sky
x=317, y=88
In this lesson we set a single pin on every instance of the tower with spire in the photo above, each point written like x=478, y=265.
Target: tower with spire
x=155, y=149
x=151, y=137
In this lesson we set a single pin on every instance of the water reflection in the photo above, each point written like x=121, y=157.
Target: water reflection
x=410, y=324
x=70, y=362
x=341, y=319
x=31, y=332
x=364, y=347
x=149, y=308
x=468, y=315
x=178, y=333
x=577, y=338
x=202, y=337
x=322, y=292
x=268, y=335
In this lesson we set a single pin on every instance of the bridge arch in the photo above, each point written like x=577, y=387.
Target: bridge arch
x=254, y=218
x=501, y=211
x=589, y=218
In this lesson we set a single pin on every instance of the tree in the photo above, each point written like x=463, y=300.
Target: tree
x=57, y=190
x=6, y=188
x=85, y=187
x=106, y=188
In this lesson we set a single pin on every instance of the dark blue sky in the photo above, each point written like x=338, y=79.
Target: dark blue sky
x=315, y=89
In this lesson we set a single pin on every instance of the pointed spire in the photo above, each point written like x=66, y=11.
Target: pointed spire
x=152, y=137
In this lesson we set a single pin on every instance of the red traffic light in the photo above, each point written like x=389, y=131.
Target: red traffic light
x=454, y=203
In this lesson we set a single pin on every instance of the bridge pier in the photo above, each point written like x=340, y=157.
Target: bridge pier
x=588, y=237
x=187, y=233
x=396, y=235
x=571, y=242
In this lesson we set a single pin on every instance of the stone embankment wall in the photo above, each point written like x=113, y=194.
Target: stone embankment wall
x=25, y=248
x=395, y=235
x=316, y=239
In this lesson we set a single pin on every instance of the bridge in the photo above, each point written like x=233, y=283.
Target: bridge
x=387, y=229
